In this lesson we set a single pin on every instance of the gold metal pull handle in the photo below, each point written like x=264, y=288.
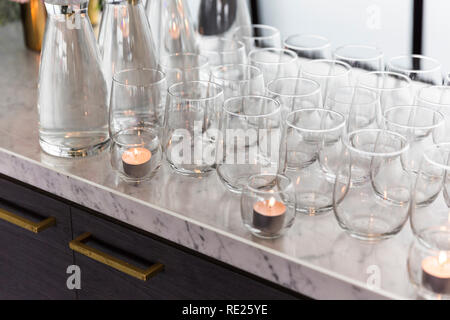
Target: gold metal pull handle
x=24, y=223
x=79, y=245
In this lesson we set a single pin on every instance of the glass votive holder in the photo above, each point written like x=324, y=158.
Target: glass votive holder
x=268, y=205
x=429, y=263
x=136, y=153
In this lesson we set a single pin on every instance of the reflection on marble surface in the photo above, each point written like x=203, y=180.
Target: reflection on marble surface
x=315, y=258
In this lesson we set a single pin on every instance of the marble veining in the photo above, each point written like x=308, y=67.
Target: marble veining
x=316, y=258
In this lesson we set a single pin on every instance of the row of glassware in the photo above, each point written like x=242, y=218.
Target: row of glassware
x=294, y=130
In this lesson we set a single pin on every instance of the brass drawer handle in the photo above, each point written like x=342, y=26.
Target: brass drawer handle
x=24, y=223
x=79, y=245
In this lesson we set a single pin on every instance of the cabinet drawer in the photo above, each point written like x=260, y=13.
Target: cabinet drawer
x=185, y=275
x=20, y=202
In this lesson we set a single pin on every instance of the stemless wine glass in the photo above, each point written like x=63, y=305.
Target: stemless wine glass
x=238, y=80
x=361, y=58
x=249, y=140
x=191, y=125
x=360, y=106
x=437, y=98
x=392, y=88
x=137, y=100
x=421, y=126
x=268, y=205
x=372, y=186
x=223, y=51
x=274, y=63
x=330, y=74
x=182, y=67
x=429, y=263
x=430, y=201
x=309, y=46
x=258, y=36
x=310, y=152
x=422, y=70
x=295, y=93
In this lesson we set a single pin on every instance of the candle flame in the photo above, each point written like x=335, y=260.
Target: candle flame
x=442, y=259
x=271, y=202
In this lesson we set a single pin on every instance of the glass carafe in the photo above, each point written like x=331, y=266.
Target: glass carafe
x=72, y=103
x=172, y=26
x=125, y=39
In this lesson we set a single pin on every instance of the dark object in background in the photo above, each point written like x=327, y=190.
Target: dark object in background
x=209, y=22
x=33, y=20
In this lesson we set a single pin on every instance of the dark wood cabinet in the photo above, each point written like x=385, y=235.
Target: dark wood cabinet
x=33, y=265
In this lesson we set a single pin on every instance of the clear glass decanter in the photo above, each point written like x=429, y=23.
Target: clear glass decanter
x=72, y=103
x=172, y=26
x=125, y=39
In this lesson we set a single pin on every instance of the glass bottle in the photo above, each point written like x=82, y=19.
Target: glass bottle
x=172, y=26
x=125, y=39
x=72, y=103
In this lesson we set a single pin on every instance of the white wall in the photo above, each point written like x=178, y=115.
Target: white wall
x=386, y=23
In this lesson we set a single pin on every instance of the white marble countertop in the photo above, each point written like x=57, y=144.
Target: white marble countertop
x=315, y=258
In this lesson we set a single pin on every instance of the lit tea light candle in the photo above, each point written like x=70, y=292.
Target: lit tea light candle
x=136, y=162
x=436, y=273
x=268, y=215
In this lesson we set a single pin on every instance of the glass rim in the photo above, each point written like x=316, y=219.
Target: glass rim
x=184, y=54
x=315, y=83
x=406, y=126
x=377, y=50
x=327, y=43
x=204, y=82
x=118, y=133
x=388, y=73
x=241, y=45
x=292, y=54
x=248, y=66
x=421, y=90
x=257, y=26
x=353, y=88
x=435, y=147
x=231, y=99
x=373, y=153
x=437, y=66
x=151, y=84
x=339, y=126
x=275, y=175
x=347, y=67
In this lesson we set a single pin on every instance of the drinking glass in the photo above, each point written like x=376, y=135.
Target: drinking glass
x=191, y=126
x=437, y=98
x=429, y=264
x=294, y=94
x=392, y=88
x=137, y=100
x=73, y=97
x=172, y=26
x=310, y=151
x=330, y=74
x=274, y=63
x=125, y=40
x=238, y=80
x=309, y=46
x=223, y=51
x=372, y=186
x=182, y=67
x=258, y=36
x=421, y=126
x=249, y=140
x=360, y=106
x=136, y=153
x=268, y=205
x=422, y=70
x=429, y=207
x=361, y=58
